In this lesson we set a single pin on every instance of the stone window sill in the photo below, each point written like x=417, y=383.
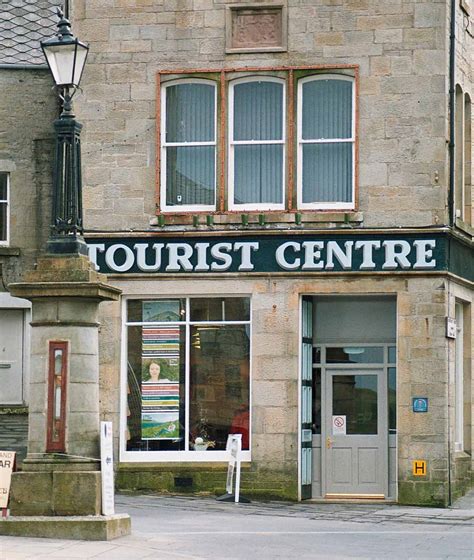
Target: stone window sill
x=9, y=251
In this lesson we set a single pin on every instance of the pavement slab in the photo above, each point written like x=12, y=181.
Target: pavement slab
x=200, y=528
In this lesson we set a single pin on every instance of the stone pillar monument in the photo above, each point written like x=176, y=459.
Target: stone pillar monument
x=65, y=292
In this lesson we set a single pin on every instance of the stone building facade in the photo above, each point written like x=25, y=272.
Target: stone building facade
x=274, y=188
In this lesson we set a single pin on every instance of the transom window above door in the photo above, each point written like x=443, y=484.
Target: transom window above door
x=280, y=140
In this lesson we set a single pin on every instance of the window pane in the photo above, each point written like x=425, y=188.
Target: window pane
x=392, y=399
x=190, y=113
x=220, y=309
x=156, y=388
x=327, y=172
x=327, y=109
x=3, y=221
x=156, y=311
x=355, y=396
x=3, y=206
x=219, y=384
x=354, y=355
x=316, y=401
x=3, y=186
x=392, y=354
x=190, y=175
x=258, y=174
x=258, y=111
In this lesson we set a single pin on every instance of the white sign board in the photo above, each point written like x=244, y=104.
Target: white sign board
x=234, y=447
x=107, y=468
x=339, y=425
x=450, y=327
x=7, y=460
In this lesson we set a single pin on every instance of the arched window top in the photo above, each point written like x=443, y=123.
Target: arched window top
x=190, y=109
x=328, y=107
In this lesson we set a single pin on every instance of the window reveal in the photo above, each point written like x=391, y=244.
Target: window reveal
x=188, y=373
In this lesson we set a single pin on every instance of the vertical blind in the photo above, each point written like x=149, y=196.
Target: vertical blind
x=327, y=115
x=257, y=142
x=190, y=170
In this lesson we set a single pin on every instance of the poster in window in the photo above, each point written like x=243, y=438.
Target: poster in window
x=162, y=310
x=160, y=425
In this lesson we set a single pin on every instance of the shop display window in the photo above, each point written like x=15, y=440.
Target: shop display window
x=188, y=375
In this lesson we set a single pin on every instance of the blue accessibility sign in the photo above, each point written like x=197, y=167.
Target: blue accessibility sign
x=420, y=404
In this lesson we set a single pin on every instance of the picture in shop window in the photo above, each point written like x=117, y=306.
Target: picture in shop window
x=174, y=406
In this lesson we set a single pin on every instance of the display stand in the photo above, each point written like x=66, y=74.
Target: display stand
x=234, y=448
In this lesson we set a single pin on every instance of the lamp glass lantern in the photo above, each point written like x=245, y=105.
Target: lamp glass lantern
x=66, y=55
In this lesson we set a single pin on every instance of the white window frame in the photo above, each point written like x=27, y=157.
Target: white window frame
x=184, y=456
x=459, y=379
x=6, y=241
x=164, y=145
x=300, y=142
x=232, y=143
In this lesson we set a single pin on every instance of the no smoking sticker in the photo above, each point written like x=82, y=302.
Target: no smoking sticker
x=339, y=425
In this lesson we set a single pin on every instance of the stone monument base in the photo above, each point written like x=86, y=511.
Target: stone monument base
x=54, y=486
x=87, y=528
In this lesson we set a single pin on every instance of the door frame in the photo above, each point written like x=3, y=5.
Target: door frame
x=392, y=439
x=382, y=417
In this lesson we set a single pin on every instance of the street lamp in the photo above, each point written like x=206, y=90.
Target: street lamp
x=66, y=57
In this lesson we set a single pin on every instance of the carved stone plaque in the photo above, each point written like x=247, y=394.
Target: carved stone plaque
x=256, y=29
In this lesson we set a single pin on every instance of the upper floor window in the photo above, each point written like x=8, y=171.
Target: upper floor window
x=256, y=144
x=273, y=141
x=326, y=138
x=188, y=144
x=4, y=209
x=463, y=153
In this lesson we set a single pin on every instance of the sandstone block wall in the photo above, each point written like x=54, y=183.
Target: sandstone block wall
x=28, y=108
x=400, y=46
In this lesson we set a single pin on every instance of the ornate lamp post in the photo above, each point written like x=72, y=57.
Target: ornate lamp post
x=61, y=476
x=66, y=57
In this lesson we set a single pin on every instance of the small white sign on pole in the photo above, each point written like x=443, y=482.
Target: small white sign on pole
x=107, y=468
x=7, y=460
x=234, y=448
x=339, y=425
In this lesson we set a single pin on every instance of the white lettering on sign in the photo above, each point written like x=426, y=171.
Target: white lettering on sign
x=367, y=253
x=7, y=460
x=281, y=257
x=241, y=256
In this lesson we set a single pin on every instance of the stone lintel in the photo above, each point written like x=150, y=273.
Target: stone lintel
x=88, y=528
x=85, y=290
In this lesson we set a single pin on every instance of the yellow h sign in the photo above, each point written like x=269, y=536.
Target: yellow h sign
x=419, y=468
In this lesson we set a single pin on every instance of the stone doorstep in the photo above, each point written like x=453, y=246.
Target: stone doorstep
x=87, y=528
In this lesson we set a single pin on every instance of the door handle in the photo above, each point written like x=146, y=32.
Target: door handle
x=5, y=366
x=328, y=443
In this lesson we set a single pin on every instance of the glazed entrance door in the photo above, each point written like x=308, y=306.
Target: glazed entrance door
x=11, y=356
x=356, y=446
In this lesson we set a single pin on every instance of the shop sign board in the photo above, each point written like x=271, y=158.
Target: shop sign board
x=339, y=425
x=290, y=253
x=7, y=461
x=107, y=468
x=420, y=404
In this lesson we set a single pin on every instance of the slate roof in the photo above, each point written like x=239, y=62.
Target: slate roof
x=23, y=23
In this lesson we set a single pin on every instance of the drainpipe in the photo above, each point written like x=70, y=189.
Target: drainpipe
x=452, y=108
